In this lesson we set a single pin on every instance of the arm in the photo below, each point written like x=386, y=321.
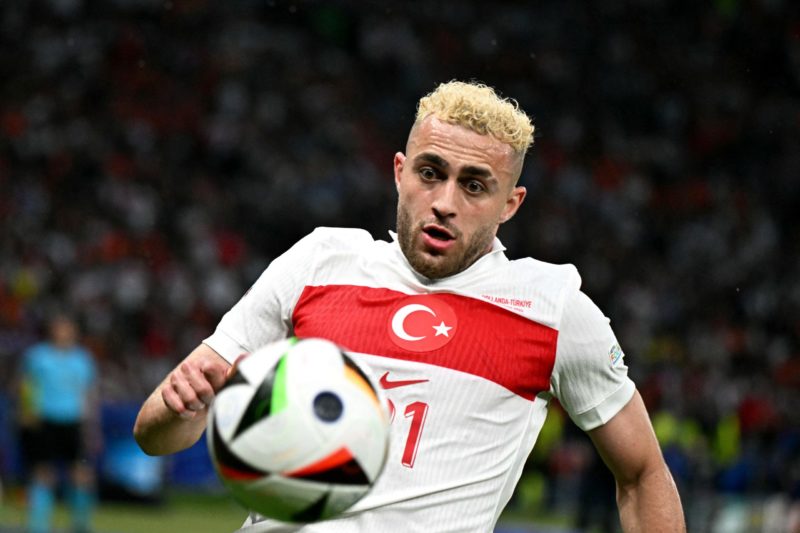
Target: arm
x=647, y=497
x=173, y=417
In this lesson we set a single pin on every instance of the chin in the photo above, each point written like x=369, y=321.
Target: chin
x=428, y=266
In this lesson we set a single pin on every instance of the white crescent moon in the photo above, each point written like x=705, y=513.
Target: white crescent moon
x=400, y=317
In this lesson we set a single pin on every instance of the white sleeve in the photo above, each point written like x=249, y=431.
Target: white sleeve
x=590, y=377
x=264, y=314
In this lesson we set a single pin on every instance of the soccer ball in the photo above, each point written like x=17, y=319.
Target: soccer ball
x=300, y=432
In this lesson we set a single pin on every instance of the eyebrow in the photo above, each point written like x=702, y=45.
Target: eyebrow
x=439, y=161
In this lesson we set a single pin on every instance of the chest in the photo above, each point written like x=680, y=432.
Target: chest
x=61, y=371
x=443, y=329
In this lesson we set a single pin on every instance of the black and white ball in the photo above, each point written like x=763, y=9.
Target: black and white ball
x=300, y=432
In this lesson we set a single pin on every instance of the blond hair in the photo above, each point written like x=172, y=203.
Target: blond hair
x=479, y=108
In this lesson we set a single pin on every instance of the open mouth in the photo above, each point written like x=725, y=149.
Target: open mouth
x=438, y=233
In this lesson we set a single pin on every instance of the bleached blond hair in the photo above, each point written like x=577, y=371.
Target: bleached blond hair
x=479, y=108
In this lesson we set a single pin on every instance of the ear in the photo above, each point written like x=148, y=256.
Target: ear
x=399, y=163
x=513, y=202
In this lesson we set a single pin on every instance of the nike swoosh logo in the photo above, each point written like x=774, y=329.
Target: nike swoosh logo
x=386, y=384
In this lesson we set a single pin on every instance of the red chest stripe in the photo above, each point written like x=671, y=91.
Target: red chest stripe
x=483, y=339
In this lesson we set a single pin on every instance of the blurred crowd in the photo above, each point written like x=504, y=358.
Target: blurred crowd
x=155, y=155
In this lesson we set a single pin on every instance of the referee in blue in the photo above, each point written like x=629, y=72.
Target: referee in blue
x=58, y=417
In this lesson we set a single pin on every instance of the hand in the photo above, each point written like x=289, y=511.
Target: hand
x=168, y=421
x=190, y=387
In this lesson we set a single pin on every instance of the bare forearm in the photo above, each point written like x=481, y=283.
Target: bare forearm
x=160, y=431
x=651, y=505
x=174, y=416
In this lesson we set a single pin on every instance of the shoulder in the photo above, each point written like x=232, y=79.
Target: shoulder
x=545, y=270
x=560, y=280
x=297, y=266
x=325, y=243
x=38, y=358
x=536, y=289
x=36, y=351
x=339, y=237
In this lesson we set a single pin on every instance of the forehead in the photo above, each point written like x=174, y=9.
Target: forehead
x=460, y=146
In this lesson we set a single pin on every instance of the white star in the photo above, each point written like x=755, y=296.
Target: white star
x=441, y=329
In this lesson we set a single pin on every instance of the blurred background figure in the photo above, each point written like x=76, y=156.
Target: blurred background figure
x=58, y=424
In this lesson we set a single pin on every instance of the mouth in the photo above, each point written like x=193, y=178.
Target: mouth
x=437, y=239
x=438, y=233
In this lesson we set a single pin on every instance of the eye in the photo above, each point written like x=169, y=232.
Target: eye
x=474, y=186
x=427, y=173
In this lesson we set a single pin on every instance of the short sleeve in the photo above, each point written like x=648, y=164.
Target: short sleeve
x=590, y=377
x=263, y=314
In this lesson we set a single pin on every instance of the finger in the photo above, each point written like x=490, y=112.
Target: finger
x=185, y=390
x=216, y=374
x=175, y=404
x=199, y=382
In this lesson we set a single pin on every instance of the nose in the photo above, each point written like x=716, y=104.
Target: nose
x=445, y=199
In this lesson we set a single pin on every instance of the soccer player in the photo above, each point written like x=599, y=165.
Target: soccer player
x=58, y=417
x=469, y=345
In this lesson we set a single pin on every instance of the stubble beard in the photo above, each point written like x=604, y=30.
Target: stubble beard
x=437, y=266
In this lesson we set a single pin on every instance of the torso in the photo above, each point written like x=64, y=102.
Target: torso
x=476, y=350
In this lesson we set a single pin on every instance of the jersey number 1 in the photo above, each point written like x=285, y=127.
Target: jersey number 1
x=416, y=411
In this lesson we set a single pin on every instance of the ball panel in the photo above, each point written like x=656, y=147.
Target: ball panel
x=358, y=381
x=280, y=443
x=354, y=367
x=314, y=512
x=279, y=390
x=294, y=500
x=260, y=404
x=258, y=363
x=278, y=497
x=229, y=407
x=343, y=497
x=340, y=467
x=366, y=439
x=231, y=466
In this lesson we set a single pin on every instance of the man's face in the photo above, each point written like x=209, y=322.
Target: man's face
x=455, y=187
x=63, y=332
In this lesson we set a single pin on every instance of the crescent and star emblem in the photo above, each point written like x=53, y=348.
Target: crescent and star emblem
x=399, y=319
x=431, y=330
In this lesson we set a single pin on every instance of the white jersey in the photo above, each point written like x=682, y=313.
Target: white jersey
x=469, y=364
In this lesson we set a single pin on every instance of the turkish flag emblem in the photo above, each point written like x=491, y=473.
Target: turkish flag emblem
x=422, y=323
